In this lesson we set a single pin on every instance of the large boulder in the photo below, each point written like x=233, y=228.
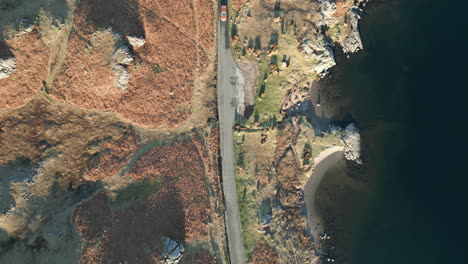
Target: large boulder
x=172, y=251
x=120, y=61
x=136, y=42
x=352, y=141
x=317, y=47
x=327, y=9
x=352, y=42
x=7, y=67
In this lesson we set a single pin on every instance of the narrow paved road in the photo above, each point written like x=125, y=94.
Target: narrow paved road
x=226, y=94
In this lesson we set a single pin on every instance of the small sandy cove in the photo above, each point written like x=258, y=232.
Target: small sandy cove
x=325, y=160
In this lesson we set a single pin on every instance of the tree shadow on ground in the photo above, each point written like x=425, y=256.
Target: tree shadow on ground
x=122, y=15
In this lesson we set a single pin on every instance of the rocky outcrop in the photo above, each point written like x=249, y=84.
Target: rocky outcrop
x=327, y=9
x=136, y=42
x=352, y=141
x=172, y=251
x=317, y=47
x=7, y=67
x=294, y=98
x=352, y=42
x=121, y=59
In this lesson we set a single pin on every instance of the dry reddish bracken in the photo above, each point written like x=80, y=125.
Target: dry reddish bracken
x=179, y=210
x=263, y=254
x=181, y=165
x=41, y=131
x=32, y=58
x=114, y=155
x=164, y=69
x=236, y=4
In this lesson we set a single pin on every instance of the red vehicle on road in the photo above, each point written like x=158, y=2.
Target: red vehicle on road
x=223, y=13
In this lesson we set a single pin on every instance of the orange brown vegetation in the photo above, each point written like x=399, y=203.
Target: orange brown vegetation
x=204, y=17
x=200, y=257
x=114, y=155
x=32, y=57
x=290, y=221
x=61, y=136
x=263, y=254
x=179, y=210
x=164, y=69
x=237, y=4
x=180, y=164
x=340, y=9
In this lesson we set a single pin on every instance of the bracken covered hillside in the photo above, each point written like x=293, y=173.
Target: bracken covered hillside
x=108, y=135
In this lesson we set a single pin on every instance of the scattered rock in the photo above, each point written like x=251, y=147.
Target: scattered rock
x=122, y=56
x=121, y=59
x=172, y=251
x=352, y=141
x=266, y=220
x=24, y=174
x=294, y=98
x=26, y=26
x=7, y=67
x=122, y=76
x=352, y=42
x=327, y=9
x=136, y=42
x=316, y=47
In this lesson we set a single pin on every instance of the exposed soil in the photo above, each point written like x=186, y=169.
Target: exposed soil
x=163, y=71
x=32, y=57
x=249, y=71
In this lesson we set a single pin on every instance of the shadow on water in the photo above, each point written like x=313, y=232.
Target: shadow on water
x=368, y=219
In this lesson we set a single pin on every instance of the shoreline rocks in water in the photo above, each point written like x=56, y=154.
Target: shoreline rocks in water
x=353, y=43
x=352, y=141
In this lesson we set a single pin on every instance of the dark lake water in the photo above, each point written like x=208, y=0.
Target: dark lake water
x=377, y=219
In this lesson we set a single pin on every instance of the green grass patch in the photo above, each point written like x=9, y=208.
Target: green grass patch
x=269, y=99
x=246, y=186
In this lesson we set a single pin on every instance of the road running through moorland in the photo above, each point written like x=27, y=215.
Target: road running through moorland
x=226, y=94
